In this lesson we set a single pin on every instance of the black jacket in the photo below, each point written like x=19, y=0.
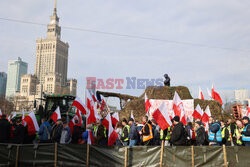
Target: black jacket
x=200, y=136
x=178, y=137
x=18, y=134
x=4, y=130
x=56, y=133
x=76, y=134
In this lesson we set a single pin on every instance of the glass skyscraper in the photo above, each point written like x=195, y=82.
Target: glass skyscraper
x=16, y=68
x=3, y=81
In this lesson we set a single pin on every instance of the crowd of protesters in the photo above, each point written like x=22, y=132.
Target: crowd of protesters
x=131, y=133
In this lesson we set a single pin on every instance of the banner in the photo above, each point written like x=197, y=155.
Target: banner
x=188, y=107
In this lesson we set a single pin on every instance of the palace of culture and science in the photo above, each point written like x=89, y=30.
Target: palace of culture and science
x=51, y=65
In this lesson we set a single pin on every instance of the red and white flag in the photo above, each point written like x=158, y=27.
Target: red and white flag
x=198, y=112
x=161, y=116
x=147, y=103
x=216, y=96
x=209, y=93
x=90, y=138
x=31, y=121
x=105, y=123
x=179, y=108
x=206, y=115
x=177, y=105
x=91, y=118
x=56, y=114
x=201, y=94
x=1, y=113
x=79, y=105
x=112, y=134
x=23, y=116
x=94, y=98
x=115, y=118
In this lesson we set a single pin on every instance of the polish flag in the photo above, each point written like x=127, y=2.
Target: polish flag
x=115, y=118
x=161, y=116
x=177, y=105
x=79, y=105
x=23, y=116
x=198, y=113
x=216, y=96
x=31, y=121
x=132, y=115
x=206, y=115
x=93, y=97
x=112, y=134
x=1, y=113
x=90, y=138
x=72, y=123
x=147, y=103
x=201, y=94
x=56, y=114
x=91, y=118
x=179, y=108
x=9, y=118
x=105, y=123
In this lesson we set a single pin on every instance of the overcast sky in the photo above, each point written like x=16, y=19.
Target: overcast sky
x=214, y=24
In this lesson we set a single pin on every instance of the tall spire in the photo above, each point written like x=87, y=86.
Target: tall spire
x=55, y=6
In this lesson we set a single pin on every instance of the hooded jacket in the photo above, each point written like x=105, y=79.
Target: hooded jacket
x=178, y=137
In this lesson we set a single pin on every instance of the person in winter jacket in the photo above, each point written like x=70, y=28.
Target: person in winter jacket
x=44, y=131
x=77, y=132
x=214, y=135
x=5, y=128
x=200, y=134
x=65, y=134
x=18, y=133
x=57, y=131
x=246, y=131
x=178, y=137
x=133, y=134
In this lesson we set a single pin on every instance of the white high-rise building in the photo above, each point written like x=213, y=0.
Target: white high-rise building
x=241, y=95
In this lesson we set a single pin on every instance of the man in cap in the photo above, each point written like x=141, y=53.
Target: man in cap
x=178, y=137
x=246, y=131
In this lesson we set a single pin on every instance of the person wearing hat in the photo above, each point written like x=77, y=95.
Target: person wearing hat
x=133, y=134
x=246, y=131
x=200, y=134
x=214, y=135
x=178, y=137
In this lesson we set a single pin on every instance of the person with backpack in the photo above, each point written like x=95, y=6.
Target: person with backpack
x=44, y=131
x=179, y=135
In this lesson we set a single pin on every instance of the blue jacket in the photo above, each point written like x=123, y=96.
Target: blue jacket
x=43, y=134
x=133, y=133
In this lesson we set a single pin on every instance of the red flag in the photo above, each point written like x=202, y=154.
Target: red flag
x=198, y=113
x=79, y=105
x=161, y=116
x=216, y=96
x=56, y=115
x=201, y=94
x=93, y=97
x=1, y=113
x=112, y=134
x=32, y=123
x=105, y=123
x=90, y=138
x=206, y=115
x=115, y=118
x=147, y=103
